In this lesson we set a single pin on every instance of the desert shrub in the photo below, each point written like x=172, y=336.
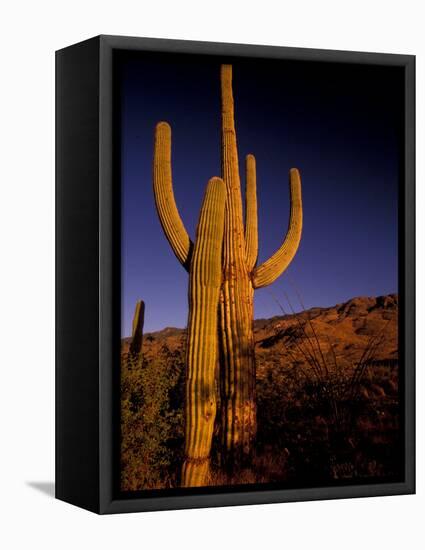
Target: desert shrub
x=151, y=420
x=332, y=421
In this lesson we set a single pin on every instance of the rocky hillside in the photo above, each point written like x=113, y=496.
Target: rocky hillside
x=348, y=328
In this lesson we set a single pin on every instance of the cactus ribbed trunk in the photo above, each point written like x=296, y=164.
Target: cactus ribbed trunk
x=238, y=414
x=202, y=344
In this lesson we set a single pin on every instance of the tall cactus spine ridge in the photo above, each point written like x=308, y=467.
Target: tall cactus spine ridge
x=202, y=343
x=236, y=304
x=241, y=278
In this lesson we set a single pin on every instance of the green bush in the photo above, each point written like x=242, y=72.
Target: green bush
x=151, y=420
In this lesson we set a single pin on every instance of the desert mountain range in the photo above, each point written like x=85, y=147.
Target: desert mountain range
x=348, y=327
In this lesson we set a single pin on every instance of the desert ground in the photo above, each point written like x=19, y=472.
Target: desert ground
x=327, y=385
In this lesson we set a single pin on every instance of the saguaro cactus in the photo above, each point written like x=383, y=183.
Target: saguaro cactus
x=203, y=261
x=202, y=342
x=239, y=278
x=236, y=303
x=137, y=332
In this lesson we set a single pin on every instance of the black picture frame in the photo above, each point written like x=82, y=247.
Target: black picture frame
x=87, y=240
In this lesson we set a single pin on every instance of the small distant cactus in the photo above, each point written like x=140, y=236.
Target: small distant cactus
x=223, y=277
x=137, y=332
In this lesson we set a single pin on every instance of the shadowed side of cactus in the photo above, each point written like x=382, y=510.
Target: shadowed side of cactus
x=202, y=344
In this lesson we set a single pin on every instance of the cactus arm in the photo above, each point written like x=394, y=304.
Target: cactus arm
x=202, y=344
x=164, y=197
x=137, y=333
x=270, y=270
x=251, y=217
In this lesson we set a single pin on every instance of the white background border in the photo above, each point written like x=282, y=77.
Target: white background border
x=30, y=32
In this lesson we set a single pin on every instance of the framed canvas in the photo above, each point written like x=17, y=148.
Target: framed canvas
x=225, y=337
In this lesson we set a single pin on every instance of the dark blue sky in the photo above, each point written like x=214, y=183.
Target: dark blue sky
x=339, y=124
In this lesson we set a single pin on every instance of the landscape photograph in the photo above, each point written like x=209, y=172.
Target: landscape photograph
x=259, y=343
